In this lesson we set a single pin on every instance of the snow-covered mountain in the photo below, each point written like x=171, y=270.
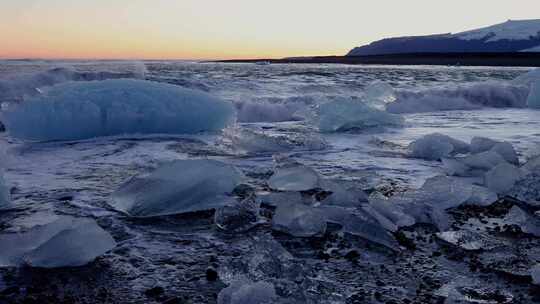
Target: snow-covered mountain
x=510, y=36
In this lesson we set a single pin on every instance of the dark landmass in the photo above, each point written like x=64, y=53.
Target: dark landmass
x=444, y=43
x=525, y=59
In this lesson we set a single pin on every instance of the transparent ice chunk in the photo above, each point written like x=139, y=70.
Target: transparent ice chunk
x=178, y=187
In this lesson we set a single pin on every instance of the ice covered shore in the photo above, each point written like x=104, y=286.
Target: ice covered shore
x=79, y=110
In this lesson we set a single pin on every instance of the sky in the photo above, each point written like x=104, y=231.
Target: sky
x=229, y=29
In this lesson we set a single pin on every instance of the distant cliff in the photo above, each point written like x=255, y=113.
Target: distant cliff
x=508, y=37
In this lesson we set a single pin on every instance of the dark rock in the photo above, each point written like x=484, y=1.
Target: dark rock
x=211, y=275
x=154, y=292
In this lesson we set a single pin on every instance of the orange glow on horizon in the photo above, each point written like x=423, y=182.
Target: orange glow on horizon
x=206, y=29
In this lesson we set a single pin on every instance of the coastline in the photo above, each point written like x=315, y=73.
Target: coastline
x=448, y=59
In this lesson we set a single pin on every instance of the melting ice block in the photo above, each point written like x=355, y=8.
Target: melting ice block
x=178, y=187
x=298, y=220
x=348, y=114
x=79, y=110
x=245, y=292
x=436, y=146
x=65, y=242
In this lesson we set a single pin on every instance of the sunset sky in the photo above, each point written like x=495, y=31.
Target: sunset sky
x=220, y=29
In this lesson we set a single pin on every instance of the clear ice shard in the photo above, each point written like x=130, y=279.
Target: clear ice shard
x=293, y=176
x=527, y=223
x=238, y=216
x=342, y=193
x=264, y=259
x=435, y=146
x=80, y=110
x=181, y=186
x=349, y=114
x=502, y=178
x=246, y=292
x=65, y=242
x=391, y=210
x=298, y=220
x=360, y=223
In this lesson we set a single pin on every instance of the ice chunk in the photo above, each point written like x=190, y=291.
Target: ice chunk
x=527, y=189
x=391, y=211
x=261, y=111
x=298, y=220
x=264, y=258
x=502, y=178
x=242, y=292
x=482, y=144
x=535, y=274
x=238, y=216
x=79, y=110
x=467, y=290
x=252, y=141
x=379, y=94
x=532, y=165
x=444, y=192
x=428, y=204
x=473, y=165
x=469, y=240
x=65, y=242
x=342, y=193
x=4, y=192
x=16, y=89
x=293, y=176
x=349, y=114
x=533, y=101
x=504, y=149
x=481, y=196
x=276, y=198
x=526, y=222
x=383, y=220
x=360, y=223
x=507, y=151
x=436, y=146
x=178, y=187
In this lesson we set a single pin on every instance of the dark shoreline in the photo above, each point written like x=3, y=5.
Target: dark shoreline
x=448, y=59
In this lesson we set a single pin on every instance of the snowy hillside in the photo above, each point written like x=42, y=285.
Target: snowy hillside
x=509, y=30
x=510, y=36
